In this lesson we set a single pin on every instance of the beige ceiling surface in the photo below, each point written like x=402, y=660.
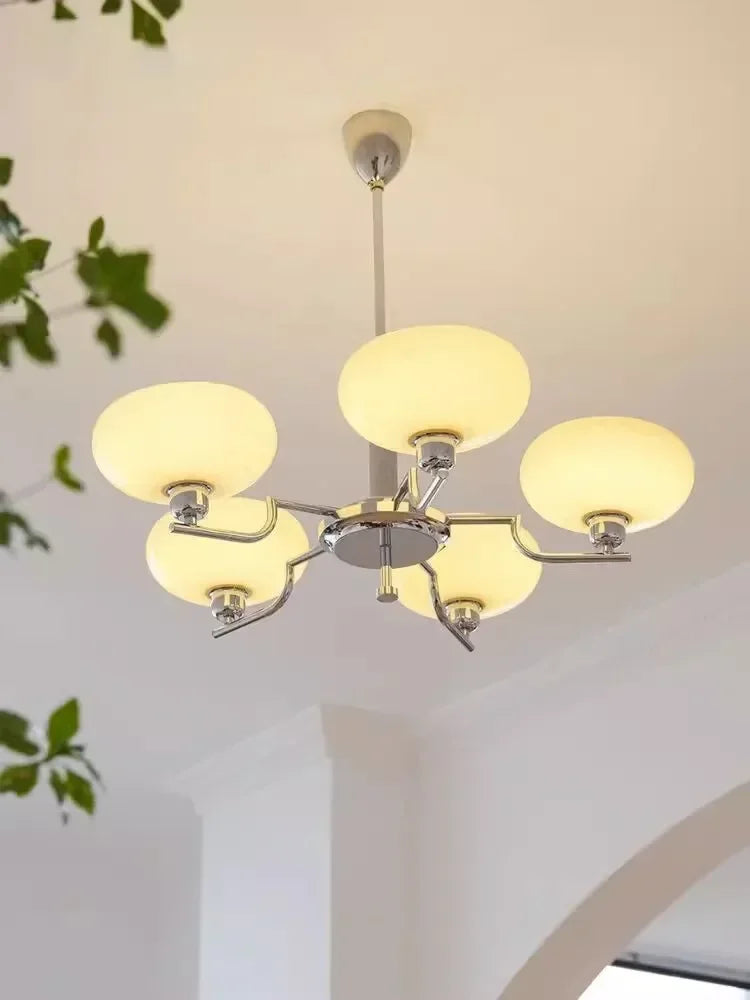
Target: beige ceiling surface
x=578, y=183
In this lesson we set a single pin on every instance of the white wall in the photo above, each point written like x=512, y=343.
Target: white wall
x=103, y=908
x=307, y=873
x=266, y=891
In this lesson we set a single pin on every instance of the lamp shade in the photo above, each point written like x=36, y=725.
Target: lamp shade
x=434, y=378
x=479, y=563
x=199, y=432
x=615, y=464
x=190, y=567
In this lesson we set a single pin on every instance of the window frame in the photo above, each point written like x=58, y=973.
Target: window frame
x=677, y=970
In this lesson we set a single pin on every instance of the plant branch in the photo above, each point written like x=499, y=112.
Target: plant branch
x=69, y=310
x=28, y=491
x=62, y=263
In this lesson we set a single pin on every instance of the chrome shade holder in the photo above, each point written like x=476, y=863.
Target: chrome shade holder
x=228, y=603
x=188, y=502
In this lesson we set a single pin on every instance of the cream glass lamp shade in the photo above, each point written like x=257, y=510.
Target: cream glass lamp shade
x=190, y=567
x=434, y=378
x=197, y=432
x=615, y=464
x=479, y=563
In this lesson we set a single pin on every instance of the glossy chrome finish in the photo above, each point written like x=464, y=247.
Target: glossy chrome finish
x=432, y=490
x=377, y=143
x=377, y=159
x=188, y=502
x=436, y=450
x=228, y=603
x=607, y=530
x=465, y=613
x=355, y=536
x=386, y=592
x=270, y=609
x=513, y=521
x=441, y=612
x=307, y=508
x=247, y=537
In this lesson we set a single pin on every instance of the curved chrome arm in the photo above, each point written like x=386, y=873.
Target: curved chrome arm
x=442, y=614
x=409, y=489
x=307, y=508
x=513, y=521
x=272, y=516
x=278, y=602
x=438, y=481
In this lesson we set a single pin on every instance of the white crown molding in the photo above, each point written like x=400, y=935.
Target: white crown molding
x=370, y=741
x=636, y=648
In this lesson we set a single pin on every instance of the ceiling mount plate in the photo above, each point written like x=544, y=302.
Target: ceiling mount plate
x=377, y=143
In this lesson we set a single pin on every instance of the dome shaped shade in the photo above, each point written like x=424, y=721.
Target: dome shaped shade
x=480, y=563
x=190, y=567
x=618, y=464
x=201, y=432
x=434, y=378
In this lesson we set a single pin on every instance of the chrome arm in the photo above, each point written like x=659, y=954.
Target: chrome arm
x=307, y=508
x=272, y=516
x=432, y=490
x=442, y=614
x=408, y=488
x=278, y=602
x=404, y=491
x=513, y=521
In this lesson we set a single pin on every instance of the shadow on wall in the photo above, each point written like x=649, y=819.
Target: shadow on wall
x=608, y=920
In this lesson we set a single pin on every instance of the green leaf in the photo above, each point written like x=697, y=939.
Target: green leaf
x=19, y=779
x=12, y=276
x=62, y=726
x=36, y=251
x=111, y=7
x=59, y=786
x=9, y=519
x=14, y=734
x=77, y=752
x=63, y=13
x=108, y=334
x=96, y=231
x=167, y=8
x=81, y=792
x=10, y=225
x=146, y=308
x=61, y=469
x=145, y=27
x=34, y=333
x=6, y=169
x=120, y=279
x=8, y=332
x=90, y=768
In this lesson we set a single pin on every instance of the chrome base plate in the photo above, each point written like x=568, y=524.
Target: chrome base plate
x=355, y=536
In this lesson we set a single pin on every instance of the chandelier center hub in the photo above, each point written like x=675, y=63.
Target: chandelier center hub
x=355, y=536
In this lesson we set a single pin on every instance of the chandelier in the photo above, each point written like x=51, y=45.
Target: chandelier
x=431, y=392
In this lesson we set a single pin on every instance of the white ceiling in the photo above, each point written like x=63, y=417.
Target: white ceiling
x=578, y=183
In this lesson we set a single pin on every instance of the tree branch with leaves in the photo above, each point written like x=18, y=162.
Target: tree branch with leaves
x=112, y=282
x=53, y=757
x=145, y=25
